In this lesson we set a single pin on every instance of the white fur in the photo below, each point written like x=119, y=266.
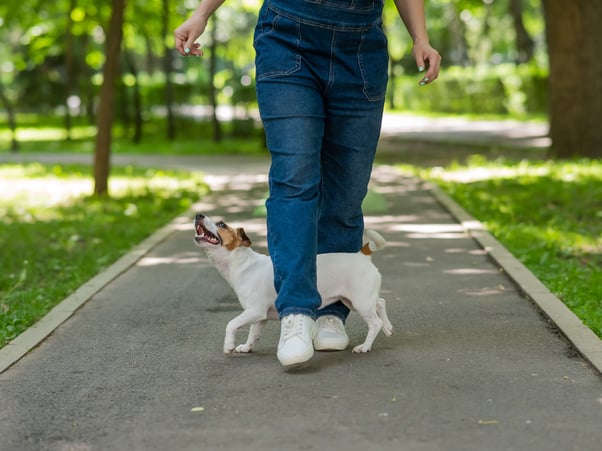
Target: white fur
x=350, y=277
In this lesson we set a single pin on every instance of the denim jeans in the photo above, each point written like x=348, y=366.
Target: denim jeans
x=321, y=80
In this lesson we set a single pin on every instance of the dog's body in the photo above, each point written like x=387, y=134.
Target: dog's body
x=349, y=277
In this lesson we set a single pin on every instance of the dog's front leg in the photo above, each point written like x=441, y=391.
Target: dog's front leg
x=254, y=333
x=245, y=318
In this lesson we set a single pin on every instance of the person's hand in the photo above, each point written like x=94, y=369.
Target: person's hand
x=189, y=32
x=427, y=58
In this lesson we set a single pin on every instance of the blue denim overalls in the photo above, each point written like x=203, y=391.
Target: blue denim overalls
x=321, y=79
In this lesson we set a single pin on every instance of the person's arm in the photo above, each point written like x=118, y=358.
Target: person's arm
x=193, y=27
x=413, y=16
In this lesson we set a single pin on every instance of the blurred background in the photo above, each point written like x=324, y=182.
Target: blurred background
x=52, y=56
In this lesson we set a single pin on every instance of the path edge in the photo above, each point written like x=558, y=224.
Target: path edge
x=29, y=339
x=585, y=341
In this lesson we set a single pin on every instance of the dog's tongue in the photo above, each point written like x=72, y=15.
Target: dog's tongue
x=202, y=234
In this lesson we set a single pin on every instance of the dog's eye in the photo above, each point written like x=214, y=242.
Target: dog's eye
x=221, y=224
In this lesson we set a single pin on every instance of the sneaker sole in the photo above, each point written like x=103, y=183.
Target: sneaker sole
x=332, y=346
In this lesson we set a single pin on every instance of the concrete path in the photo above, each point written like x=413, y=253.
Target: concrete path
x=473, y=364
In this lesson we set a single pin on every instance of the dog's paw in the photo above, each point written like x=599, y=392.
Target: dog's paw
x=243, y=349
x=228, y=350
x=388, y=329
x=362, y=348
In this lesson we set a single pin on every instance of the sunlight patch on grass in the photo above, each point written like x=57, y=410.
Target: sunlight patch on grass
x=36, y=185
x=25, y=134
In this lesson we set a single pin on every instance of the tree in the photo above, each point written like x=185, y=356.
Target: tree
x=167, y=70
x=107, y=99
x=217, y=129
x=69, y=63
x=575, y=83
x=524, y=44
x=12, y=122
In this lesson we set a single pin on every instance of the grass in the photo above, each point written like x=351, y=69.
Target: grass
x=54, y=236
x=547, y=213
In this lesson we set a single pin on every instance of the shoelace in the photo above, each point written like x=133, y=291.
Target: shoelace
x=292, y=327
x=331, y=324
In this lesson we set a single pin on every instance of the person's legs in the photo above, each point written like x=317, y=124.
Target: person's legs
x=321, y=156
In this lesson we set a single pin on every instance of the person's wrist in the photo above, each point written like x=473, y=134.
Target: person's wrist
x=200, y=15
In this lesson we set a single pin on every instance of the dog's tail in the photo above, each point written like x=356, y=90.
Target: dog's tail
x=375, y=242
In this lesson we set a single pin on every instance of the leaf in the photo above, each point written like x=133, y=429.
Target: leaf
x=486, y=422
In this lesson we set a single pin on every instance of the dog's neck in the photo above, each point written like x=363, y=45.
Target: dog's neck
x=226, y=261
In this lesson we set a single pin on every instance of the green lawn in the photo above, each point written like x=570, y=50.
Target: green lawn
x=548, y=214
x=54, y=237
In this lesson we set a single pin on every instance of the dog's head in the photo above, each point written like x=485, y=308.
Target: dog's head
x=209, y=234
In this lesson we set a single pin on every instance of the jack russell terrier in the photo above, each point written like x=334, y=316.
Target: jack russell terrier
x=349, y=277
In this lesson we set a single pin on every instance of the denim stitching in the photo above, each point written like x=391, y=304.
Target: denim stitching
x=297, y=64
x=364, y=74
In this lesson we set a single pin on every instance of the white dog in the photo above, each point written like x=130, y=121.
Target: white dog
x=349, y=277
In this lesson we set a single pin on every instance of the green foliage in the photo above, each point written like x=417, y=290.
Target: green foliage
x=505, y=89
x=548, y=214
x=53, y=240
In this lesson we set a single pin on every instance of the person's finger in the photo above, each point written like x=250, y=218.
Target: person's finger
x=196, y=49
x=180, y=40
x=420, y=64
x=433, y=60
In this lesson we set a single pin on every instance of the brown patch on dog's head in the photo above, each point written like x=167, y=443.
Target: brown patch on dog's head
x=231, y=238
x=366, y=249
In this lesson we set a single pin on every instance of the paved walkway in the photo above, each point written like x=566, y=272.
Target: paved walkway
x=473, y=364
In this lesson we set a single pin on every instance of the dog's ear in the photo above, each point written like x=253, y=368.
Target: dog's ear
x=244, y=239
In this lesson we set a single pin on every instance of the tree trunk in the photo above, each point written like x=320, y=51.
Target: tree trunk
x=167, y=70
x=457, y=34
x=12, y=121
x=107, y=99
x=574, y=41
x=525, y=46
x=133, y=69
x=217, y=129
x=87, y=90
x=69, y=70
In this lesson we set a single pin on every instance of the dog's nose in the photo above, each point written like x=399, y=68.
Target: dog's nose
x=199, y=216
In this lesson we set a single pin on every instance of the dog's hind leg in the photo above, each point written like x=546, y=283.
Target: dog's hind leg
x=254, y=333
x=381, y=310
x=374, y=326
x=245, y=318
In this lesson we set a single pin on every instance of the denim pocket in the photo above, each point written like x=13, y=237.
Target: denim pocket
x=373, y=59
x=276, y=43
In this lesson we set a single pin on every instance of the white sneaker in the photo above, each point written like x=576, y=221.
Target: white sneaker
x=295, y=345
x=330, y=334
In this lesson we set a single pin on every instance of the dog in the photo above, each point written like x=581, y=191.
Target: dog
x=349, y=277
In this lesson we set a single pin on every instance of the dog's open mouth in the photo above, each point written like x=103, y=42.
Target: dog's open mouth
x=204, y=235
